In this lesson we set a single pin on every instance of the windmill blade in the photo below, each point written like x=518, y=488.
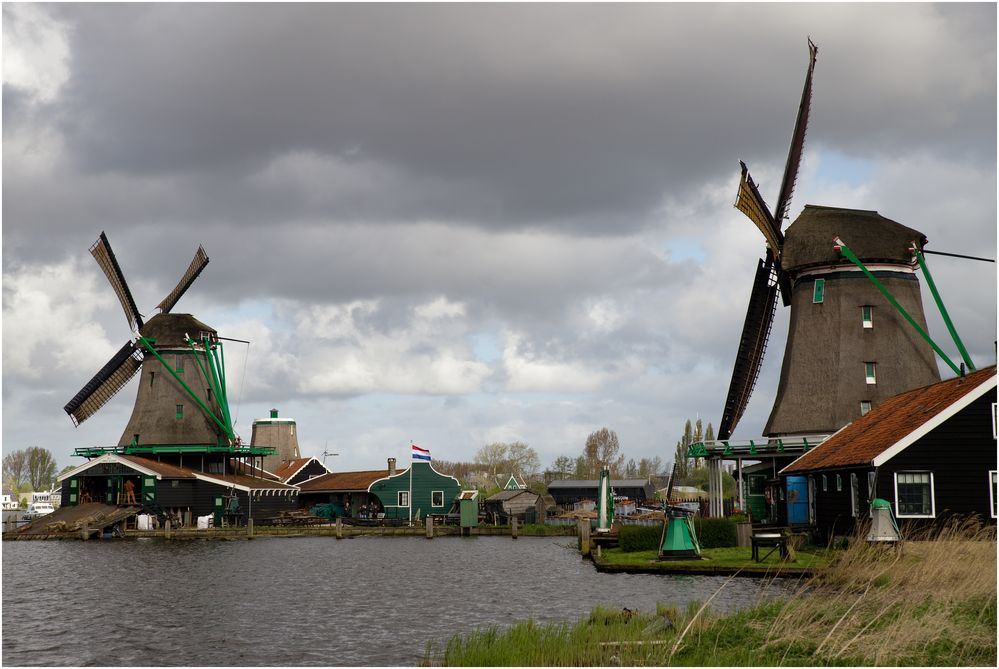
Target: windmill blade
x=193, y=270
x=752, y=346
x=113, y=376
x=101, y=250
x=750, y=202
x=797, y=141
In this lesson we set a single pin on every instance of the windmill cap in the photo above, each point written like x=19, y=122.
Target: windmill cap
x=871, y=236
x=171, y=330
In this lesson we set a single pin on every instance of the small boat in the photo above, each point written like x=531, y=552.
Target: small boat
x=37, y=509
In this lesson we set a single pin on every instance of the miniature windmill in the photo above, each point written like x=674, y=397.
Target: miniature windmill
x=839, y=359
x=181, y=397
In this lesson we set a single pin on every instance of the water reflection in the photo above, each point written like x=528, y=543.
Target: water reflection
x=305, y=601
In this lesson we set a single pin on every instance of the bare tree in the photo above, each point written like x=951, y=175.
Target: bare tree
x=15, y=469
x=602, y=450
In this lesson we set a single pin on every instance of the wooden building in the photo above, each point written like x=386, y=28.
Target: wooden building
x=931, y=452
x=299, y=470
x=348, y=490
x=183, y=492
x=568, y=492
x=524, y=505
x=415, y=492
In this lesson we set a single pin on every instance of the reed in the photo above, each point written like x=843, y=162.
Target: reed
x=930, y=602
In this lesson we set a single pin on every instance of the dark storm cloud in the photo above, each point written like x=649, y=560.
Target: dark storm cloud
x=572, y=116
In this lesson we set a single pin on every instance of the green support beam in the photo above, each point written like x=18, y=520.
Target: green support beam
x=943, y=310
x=851, y=256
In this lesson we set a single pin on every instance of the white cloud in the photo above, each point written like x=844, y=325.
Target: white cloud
x=35, y=51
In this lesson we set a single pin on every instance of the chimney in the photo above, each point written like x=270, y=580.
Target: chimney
x=274, y=413
x=391, y=466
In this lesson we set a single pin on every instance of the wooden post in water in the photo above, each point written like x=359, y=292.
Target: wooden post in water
x=339, y=529
x=430, y=527
x=513, y=527
x=584, y=536
x=166, y=528
x=249, y=528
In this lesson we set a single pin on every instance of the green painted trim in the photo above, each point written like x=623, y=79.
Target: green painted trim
x=96, y=451
x=274, y=422
x=943, y=310
x=846, y=252
x=227, y=430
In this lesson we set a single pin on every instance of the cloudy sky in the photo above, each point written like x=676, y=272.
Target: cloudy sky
x=460, y=224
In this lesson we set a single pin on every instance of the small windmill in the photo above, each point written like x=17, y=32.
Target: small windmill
x=770, y=276
x=159, y=415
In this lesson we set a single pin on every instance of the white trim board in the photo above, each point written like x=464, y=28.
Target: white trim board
x=933, y=423
x=109, y=458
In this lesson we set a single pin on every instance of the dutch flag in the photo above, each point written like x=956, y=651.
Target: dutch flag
x=420, y=453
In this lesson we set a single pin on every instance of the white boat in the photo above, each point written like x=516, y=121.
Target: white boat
x=37, y=509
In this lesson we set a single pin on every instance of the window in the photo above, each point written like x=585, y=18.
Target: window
x=180, y=411
x=867, y=314
x=403, y=498
x=839, y=483
x=854, y=494
x=178, y=364
x=819, y=291
x=993, y=493
x=871, y=478
x=72, y=498
x=865, y=407
x=914, y=494
x=870, y=371
x=437, y=498
x=825, y=483
x=152, y=377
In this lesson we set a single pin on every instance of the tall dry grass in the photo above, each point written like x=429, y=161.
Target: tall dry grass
x=929, y=601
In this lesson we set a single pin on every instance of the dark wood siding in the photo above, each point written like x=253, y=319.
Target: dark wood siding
x=314, y=468
x=833, y=509
x=961, y=452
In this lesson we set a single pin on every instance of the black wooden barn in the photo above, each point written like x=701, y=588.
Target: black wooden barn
x=568, y=492
x=931, y=452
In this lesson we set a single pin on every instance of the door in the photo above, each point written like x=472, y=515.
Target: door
x=797, y=500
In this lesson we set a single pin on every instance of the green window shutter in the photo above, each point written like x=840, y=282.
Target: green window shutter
x=180, y=411
x=819, y=291
x=72, y=484
x=72, y=498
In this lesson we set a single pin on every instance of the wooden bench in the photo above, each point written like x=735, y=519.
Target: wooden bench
x=772, y=540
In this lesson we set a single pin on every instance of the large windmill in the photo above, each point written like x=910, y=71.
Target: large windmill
x=839, y=358
x=181, y=398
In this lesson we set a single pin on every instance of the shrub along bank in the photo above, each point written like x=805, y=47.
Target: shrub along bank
x=711, y=533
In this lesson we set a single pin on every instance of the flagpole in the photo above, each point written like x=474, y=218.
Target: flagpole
x=411, y=461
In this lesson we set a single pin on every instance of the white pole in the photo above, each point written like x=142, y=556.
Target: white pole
x=410, y=488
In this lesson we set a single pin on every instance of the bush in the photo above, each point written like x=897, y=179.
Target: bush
x=633, y=538
x=715, y=532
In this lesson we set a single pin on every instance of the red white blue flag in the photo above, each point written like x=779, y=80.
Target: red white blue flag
x=421, y=453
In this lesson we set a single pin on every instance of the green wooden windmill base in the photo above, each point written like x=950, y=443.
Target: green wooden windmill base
x=678, y=541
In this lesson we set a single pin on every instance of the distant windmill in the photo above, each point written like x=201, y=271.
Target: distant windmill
x=181, y=396
x=839, y=358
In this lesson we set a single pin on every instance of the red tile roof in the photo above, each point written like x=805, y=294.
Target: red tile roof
x=289, y=468
x=161, y=468
x=897, y=417
x=251, y=482
x=342, y=481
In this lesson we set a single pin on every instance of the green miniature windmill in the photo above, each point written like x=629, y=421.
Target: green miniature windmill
x=678, y=540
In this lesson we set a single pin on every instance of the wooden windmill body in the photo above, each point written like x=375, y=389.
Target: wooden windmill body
x=846, y=349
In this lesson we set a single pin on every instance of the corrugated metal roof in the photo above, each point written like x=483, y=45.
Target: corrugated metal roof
x=867, y=437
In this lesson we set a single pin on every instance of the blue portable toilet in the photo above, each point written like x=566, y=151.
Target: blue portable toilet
x=797, y=500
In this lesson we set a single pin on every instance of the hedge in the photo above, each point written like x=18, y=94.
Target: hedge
x=711, y=533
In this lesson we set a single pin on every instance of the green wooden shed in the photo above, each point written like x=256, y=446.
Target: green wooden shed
x=416, y=492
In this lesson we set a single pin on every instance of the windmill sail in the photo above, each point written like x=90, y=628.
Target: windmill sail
x=752, y=346
x=105, y=384
x=193, y=270
x=797, y=142
x=101, y=250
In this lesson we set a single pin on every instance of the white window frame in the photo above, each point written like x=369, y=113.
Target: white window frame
x=872, y=377
x=825, y=483
x=933, y=497
x=402, y=496
x=433, y=496
x=867, y=316
x=865, y=407
x=992, y=491
x=839, y=483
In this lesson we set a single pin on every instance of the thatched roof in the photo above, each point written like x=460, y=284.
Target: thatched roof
x=874, y=238
x=169, y=329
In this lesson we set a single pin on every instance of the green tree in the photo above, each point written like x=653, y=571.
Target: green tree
x=15, y=469
x=602, y=450
x=581, y=469
x=631, y=469
x=41, y=468
x=562, y=467
x=509, y=458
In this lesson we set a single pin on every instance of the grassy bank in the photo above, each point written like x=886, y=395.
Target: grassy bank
x=808, y=557
x=931, y=603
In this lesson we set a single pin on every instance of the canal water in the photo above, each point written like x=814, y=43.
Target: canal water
x=306, y=600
